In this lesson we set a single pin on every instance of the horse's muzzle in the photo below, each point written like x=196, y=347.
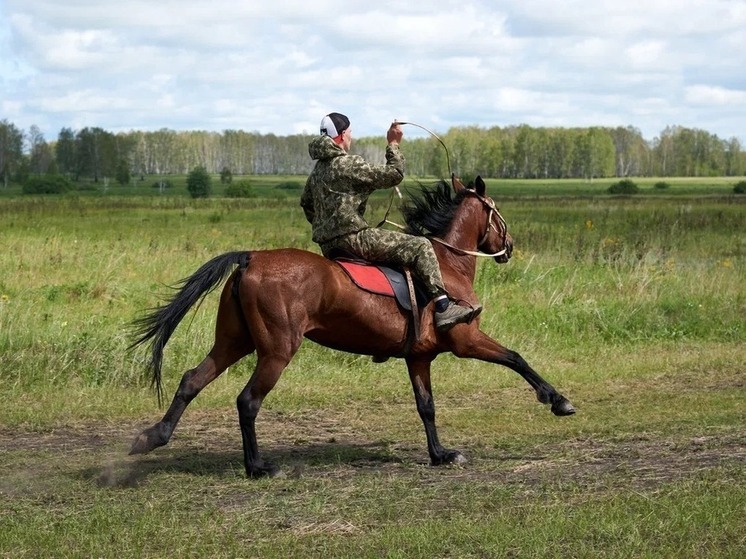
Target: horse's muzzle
x=503, y=258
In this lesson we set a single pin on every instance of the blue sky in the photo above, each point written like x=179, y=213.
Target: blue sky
x=278, y=67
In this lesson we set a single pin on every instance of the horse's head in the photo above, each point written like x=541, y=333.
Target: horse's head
x=494, y=237
x=460, y=222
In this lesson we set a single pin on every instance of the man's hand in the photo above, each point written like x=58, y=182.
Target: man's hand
x=395, y=133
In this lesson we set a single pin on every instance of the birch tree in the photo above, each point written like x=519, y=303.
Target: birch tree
x=11, y=150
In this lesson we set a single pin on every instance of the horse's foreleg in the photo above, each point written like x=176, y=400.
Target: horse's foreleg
x=192, y=383
x=545, y=392
x=481, y=346
x=419, y=374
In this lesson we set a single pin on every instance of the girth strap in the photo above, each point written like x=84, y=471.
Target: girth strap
x=415, y=308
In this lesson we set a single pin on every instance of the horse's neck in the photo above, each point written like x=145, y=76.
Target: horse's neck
x=461, y=234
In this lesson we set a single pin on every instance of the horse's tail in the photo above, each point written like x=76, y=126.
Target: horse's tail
x=157, y=326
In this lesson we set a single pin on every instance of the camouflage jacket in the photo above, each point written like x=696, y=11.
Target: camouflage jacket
x=337, y=190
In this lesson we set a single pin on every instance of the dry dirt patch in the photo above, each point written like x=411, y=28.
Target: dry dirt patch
x=318, y=445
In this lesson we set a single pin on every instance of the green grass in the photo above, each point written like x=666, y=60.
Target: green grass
x=276, y=187
x=632, y=307
x=291, y=518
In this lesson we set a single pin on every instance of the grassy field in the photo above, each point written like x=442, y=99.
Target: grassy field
x=632, y=307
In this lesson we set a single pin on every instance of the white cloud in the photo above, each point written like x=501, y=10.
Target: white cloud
x=648, y=55
x=277, y=67
x=716, y=96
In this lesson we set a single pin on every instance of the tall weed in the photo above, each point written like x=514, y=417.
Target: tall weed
x=74, y=273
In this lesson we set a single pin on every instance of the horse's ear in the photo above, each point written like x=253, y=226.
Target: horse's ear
x=458, y=186
x=479, y=184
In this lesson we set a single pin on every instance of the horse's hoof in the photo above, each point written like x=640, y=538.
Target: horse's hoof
x=563, y=407
x=449, y=457
x=458, y=459
x=140, y=445
x=143, y=444
x=265, y=470
x=150, y=439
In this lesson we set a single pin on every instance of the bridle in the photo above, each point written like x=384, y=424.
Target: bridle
x=489, y=203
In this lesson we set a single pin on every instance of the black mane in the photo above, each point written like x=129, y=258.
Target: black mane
x=431, y=211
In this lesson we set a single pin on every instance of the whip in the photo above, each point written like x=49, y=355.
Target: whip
x=396, y=188
x=490, y=204
x=434, y=135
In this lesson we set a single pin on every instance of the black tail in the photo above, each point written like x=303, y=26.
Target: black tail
x=158, y=325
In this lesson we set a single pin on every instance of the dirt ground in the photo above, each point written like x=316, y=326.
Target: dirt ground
x=209, y=443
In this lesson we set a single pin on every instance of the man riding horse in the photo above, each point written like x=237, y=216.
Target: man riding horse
x=334, y=201
x=273, y=299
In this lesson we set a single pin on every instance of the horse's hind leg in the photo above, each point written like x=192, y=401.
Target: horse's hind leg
x=266, y=374
x=192, y=383
x=232, y=342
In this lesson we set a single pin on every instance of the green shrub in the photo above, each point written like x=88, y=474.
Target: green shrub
x=199, y=183
x=661, y=185
x=226, y=176
x=162, y=184
x=740, y=187
x=122, y=174
x=47, y=184
x=289, y=185
x=624, y=186
x=240, y=189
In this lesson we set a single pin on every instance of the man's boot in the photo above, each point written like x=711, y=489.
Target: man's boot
x=455, y=314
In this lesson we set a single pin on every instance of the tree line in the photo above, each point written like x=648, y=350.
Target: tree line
x=497, y=152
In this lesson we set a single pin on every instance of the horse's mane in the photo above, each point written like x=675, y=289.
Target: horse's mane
x=431, y=211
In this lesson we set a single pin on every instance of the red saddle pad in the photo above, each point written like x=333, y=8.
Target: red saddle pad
x=368, y=277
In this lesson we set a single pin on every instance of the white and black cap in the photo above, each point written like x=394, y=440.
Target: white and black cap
x=334, y=124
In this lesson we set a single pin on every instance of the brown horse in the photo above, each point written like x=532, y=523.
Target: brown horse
x=275, y=298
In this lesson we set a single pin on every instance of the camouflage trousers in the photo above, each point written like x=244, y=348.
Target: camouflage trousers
x=387, y=247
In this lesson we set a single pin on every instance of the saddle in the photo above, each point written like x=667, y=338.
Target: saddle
x=375, y=278
x=382, y=280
